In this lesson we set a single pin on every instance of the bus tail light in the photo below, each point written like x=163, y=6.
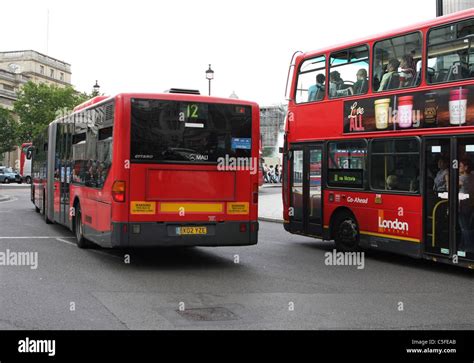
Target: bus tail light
x=255, y=193
x=243, y=227
x=118, y=191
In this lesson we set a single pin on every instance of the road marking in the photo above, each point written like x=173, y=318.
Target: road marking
x=62, y=239
x=9, y=200
x=33, y=237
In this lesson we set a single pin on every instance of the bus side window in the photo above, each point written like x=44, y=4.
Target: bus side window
x=311, y=82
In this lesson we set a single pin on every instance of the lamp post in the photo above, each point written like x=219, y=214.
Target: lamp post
x=95, y=89
x=209, y=77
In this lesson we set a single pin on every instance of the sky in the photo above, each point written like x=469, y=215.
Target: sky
x=154, y=45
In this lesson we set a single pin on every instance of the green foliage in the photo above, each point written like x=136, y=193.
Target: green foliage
x=8, y=131
x=39, y=104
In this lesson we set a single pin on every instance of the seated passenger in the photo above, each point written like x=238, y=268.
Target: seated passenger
x=316, y=92
x=335, y=85
x=392, y=69
x=361, y=86
x=392, y=182
x=408, y=72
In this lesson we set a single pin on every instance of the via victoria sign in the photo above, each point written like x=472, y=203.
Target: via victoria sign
x=448, y=107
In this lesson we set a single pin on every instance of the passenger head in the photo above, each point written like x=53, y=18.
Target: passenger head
x=407, y=61
x=465, y=166
x=393, y=65
x=320, y=78
x=362, y=74
x=442, y=163
x=335, y=76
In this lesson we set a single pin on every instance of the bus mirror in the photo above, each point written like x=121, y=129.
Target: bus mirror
x=281, y=150
x=29, y=153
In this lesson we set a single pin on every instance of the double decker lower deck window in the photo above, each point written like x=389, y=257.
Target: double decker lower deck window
x=395, y=165
x=346, y=164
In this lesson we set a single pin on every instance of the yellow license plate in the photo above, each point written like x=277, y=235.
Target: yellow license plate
x=190, y=230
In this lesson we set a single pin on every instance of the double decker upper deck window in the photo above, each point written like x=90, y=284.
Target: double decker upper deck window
x=451, y=52
x=311, y=84
x=348, y=72
x=397, y=63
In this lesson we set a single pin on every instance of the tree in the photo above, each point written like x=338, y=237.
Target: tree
x=39, y=104
x=8, y=131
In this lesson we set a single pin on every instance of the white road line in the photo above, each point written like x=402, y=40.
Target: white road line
x=64, y=241
x=9, y=201
x=91, y=250
x=34, y=237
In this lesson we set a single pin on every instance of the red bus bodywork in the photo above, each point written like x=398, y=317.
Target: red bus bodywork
x=156, y=199
x=318, y=122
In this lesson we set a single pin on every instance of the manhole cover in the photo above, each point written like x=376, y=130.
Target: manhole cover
x=208, y=314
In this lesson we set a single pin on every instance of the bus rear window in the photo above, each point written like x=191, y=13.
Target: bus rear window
x=191, y=132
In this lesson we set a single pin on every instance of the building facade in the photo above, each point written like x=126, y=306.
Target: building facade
x=451, y=6
x=19, y=67
x=272, y=128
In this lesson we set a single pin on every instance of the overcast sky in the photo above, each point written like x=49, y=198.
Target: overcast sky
x=150, y=46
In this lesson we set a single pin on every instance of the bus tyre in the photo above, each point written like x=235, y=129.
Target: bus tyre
x=346, y=233
x=79, y=229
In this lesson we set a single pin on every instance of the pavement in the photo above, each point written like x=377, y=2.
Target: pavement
x=281, y=283
x=270, y=203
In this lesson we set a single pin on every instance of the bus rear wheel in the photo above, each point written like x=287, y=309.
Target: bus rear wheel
x=346, y=233
x=79, y=229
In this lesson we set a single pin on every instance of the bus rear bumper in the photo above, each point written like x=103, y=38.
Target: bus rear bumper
x=130, y=235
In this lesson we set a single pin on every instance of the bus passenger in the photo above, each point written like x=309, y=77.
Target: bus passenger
x=466, y=205
x=408, y=72
x=316, y=92
x=335, y=83
x=392, y=182
x=392, y=69
x=441, y=179
x=361, y=86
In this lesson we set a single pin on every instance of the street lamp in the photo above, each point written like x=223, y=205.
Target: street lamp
x=95, y=89
x=209, y=77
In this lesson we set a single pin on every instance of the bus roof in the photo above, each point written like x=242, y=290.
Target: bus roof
x=433, y=22
x=163, y=96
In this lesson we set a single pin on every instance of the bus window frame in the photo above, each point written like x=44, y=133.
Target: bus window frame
x=328, y=70
x=325, y=75
x=436, y=27
x=423, y=63
x=366, y=175
x=420, y=165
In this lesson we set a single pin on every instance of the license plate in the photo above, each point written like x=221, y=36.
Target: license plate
x=190, y=230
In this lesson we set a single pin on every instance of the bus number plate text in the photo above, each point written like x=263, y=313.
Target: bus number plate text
x=180, y=231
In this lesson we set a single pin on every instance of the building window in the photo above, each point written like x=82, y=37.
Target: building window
x=51, y=73
x=41, y=69
x=450, y=52
x=347, y=164
x=395, y=165
x=397, y=63
x=311, y=83
x=348, y=72
x=61, y=76
x=7, y=87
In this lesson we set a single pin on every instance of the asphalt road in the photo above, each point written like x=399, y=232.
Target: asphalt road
x=282, y=283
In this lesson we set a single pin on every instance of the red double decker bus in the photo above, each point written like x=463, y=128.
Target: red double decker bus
x=138, y=170
x=391, y=118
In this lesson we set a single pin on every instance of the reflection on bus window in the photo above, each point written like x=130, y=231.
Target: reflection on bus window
x=347, y=164
x=451, y=52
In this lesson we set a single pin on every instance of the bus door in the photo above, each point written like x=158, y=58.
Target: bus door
x=62, y=174
x=449, y=206
x=306, y=189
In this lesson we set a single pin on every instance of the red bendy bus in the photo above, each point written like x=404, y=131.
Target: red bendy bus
x=379, y=142
x=138, y=170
